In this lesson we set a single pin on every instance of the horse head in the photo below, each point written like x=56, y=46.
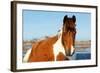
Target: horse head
x=68, y=34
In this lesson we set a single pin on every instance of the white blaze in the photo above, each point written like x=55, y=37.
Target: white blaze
x=72, y=50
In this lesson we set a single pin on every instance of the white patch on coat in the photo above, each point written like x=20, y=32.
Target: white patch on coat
x=58, y=47
x=26, y=57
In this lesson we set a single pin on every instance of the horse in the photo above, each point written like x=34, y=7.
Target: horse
x=57, y=48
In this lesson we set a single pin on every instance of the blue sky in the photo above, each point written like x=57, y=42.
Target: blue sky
x=37, y=24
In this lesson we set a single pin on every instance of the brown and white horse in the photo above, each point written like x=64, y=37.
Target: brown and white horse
x=57, y=48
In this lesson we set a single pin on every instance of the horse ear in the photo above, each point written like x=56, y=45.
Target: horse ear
x=74, y=18
x=65, y=18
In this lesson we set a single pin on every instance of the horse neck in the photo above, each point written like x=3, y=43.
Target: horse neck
x=60, y=35
x=52, y=40
x=56, y=38
x=60, y=39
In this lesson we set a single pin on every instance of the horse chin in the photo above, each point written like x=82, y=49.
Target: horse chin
x=69, y=56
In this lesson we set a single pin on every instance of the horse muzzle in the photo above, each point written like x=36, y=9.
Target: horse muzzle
x=70, y=52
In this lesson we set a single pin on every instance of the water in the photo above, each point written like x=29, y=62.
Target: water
x=82, y=54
